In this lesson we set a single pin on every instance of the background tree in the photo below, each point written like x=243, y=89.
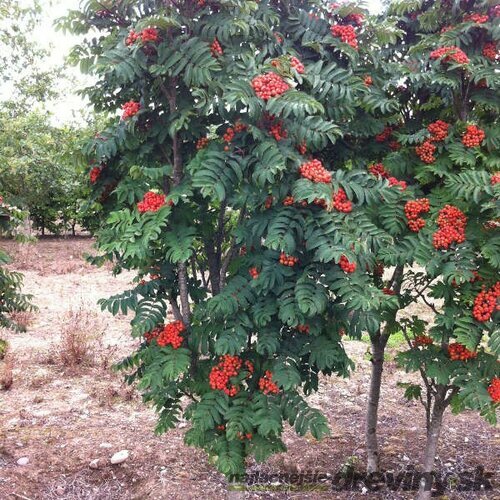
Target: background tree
x=446, y=237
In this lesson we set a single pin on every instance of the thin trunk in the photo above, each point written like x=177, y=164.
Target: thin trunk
x=378, y=344
x=171, y=94
x=433, y=432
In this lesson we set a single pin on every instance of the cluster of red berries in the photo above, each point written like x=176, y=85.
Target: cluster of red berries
x=303, y=329
x=451, y=53
x=302, y=148
x=266, y=384
x=476, y=18
x=152, y=202
x=426, y=151
x=485, y=304
x=202, y=143
x=146, y=35
x=438, y=130
x=473, y=136
x=278, y=38
x=254, y=273
x=451, y=222
x=288, y=201
x=242, y=437
x=495, y=178
x=269, y=202
x=153, y=334
x=319, y=202
x=378, y=269
x=288, y=260
x=130, y=109
x=458, y=352
x=494, y=389
x=346, y=266
x=131, y=38
x=347, y=34
x=229, y=135
x=413, y=209
x=388, y=291
x=315, y=172
x=94, y=174
x=269, y=85
x=395, y=146
x=422, y=341
x=297, y=65
x=385, y=135
x=278, y=132
x=378, y=169
x=356, y=19
x=228, y=367
x=216, y=49
x=341, y=203
x=490, y=51
x=171, y=335
x=368, y=80
x=396, y=182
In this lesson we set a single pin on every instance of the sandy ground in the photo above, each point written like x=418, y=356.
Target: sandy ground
x=62, y=419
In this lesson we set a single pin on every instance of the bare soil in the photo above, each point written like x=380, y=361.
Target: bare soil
x=62, y=418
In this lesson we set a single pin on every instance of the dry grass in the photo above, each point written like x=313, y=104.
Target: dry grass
x=23, y=318
x=81, y=339
x=6, y=376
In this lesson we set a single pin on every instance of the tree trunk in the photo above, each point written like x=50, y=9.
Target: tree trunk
x=433, y=432
x=378, y=344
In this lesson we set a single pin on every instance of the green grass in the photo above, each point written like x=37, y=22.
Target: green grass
x=396, y=340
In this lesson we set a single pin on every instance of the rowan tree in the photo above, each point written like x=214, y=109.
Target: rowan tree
x=445, y=229
x=231, y=191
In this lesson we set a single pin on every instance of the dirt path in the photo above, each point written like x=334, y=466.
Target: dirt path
x=62, y=419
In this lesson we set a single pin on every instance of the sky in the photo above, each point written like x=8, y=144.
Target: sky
x=67, y=108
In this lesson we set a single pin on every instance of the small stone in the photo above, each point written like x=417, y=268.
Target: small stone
x=23, y=461
x=119, y=457
x=105, y=445
x=60, y=490
x=94, y=464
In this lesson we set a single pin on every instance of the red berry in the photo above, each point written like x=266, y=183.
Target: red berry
x=315, y=172
x=216, y=49
x=473, y=136
x=269, y=85
x=494, y=389
x=341, y=203
x=452, y=53
x=485, y=304
x=438, y=130
x=94, y=174
x=266, y=385
x=130, y=109
x=288, y=260
x=490, y=51
x=152, y=202
x=347, y=34
x=413, y=209
x=346, y=266
x=426, y=152
x=422, y=341
x=297, y=65
x=385, y=135
x=458, y=352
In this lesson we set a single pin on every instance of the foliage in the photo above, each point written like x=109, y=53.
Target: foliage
x=11, y=298
x=223, y=213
